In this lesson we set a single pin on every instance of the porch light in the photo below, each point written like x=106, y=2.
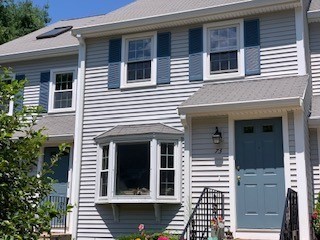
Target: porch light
x=217, y=137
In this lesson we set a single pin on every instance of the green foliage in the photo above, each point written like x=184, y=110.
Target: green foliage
x=18, y=18
x=316, y=217
x=23, y=214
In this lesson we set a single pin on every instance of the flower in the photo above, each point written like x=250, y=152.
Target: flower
x=315, y=215
x=138, y=239
x=163, y=238
x=141, y=227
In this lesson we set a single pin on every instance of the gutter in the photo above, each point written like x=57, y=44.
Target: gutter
x=249, y=5
x=294, y=102
x=43, y=53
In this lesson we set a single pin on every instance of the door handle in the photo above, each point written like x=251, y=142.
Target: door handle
x=238, y=178
x=238, y=168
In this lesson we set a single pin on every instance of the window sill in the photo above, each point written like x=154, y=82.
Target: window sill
x=137, y=201
x=61, y=110
x=137, y=85
x=224, y=76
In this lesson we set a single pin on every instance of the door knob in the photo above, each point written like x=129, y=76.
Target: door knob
x=238, y=168
x=238, y=178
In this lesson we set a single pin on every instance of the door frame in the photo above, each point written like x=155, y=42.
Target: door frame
x=232, y=117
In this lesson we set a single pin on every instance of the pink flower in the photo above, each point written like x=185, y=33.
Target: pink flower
x=163, y=238
x=141, y=227
x=315, y=215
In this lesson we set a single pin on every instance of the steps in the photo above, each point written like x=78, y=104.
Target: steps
x=55, y=236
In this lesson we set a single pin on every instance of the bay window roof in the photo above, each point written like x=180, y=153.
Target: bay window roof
x=139, y=129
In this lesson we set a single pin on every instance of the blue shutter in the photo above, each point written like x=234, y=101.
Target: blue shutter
x=163, y=58
x=195, y=54
x=252, y=46
x=44, y=90
x=19, y=96
x=114, y=71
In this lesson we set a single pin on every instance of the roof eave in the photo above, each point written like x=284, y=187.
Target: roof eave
x=189, y=17
x=38, y=54
x=287, y=103
x=314, y=16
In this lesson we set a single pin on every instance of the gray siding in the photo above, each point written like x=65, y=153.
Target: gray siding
x=32, y=70
x=210, y=169
x=104, y=109
x=314, y=31
x=278, y=44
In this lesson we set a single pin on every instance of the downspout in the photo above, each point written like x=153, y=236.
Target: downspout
x=78, y=137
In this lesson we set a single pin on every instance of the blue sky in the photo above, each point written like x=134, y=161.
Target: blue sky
x=66, y=9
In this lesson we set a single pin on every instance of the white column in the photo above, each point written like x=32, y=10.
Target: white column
x=300, y=40
x=303, y=201
x=233, y=215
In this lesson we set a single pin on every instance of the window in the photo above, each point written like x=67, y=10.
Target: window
x=139, y=171
x=62, y=95
x=104, y=171
x=139, y=60
x=223, y=54
x=7, y=103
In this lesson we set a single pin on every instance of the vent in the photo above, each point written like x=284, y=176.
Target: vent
x=54, y=32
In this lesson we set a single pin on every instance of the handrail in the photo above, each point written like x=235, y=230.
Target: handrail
x=210, y=205
x=290, y=222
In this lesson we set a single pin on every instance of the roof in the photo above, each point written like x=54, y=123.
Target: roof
x=314, y=10
x=29, y=43
x=139, y=129
x=222, y=96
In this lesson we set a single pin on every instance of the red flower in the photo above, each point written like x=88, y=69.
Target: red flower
x=163, y=238
x=141, y=227
x=315, y=215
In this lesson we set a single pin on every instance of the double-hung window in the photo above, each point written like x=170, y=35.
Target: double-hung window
x=139, y=60
x=62, y=93
x=223, y=55
x=144, y=171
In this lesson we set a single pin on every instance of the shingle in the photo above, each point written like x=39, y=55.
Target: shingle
x=315, y=110
x=139, y=129
x=248, y=91
x=314, y=6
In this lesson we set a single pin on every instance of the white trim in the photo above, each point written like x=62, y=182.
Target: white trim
x=53, y=73
x=303, y=203
x=239, y=24
x=300, y=38
x=124, y=59
x=286, y=150
x=74, y=200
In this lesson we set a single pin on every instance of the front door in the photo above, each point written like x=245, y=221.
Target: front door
x=260, y=185
x=60, y=171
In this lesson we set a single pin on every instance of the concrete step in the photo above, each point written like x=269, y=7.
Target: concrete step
x=55, y=236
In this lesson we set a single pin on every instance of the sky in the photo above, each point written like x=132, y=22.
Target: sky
x=68, y=9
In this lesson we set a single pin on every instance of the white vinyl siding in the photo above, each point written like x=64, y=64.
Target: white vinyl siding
x=314, y=31
x=314, y=158
x=292, y=152
x=32, y=70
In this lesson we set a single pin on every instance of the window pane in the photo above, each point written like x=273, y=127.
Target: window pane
x=104, y=184
x=64, y=81
x=224, y=39
x=105, y=157
x=139, y=70
x=224, y=61
x=133, y=169
x=167, y=182
x=139, y=50
x=63, y=99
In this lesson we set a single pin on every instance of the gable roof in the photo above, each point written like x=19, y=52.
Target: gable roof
x=285, y=91
x=314, y=11
x=29, y=44
x=139, y=129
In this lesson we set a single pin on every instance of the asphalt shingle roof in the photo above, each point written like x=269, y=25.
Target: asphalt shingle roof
x=314, y=6
x=139, y=129
x=315, y=110
x=248, y=91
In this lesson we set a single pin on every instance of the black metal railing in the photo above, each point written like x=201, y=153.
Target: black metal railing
x=61, y=204
x=210, y=205
x=290, y=222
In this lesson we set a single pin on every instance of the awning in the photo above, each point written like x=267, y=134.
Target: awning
x=285, y=92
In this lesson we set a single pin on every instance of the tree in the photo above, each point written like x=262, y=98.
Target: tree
x=18, y=18
x=23, y=212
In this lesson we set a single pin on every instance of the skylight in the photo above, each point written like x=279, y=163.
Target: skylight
x=54, y=32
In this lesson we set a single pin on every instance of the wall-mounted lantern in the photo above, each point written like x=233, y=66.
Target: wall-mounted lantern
x=217, y=137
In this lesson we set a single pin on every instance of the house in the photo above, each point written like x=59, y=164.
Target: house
x=151, y=84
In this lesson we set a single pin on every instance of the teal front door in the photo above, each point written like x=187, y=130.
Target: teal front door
x=60, y=171
x=260, y=189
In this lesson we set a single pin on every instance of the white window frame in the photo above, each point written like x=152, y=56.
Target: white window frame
x=124, y=60
x=155, y=151
x=11, y=102
x=239, y=24
x=52, y=86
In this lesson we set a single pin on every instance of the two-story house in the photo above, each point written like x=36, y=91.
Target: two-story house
x=163, y=98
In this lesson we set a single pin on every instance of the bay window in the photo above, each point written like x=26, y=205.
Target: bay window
x=144, y=171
